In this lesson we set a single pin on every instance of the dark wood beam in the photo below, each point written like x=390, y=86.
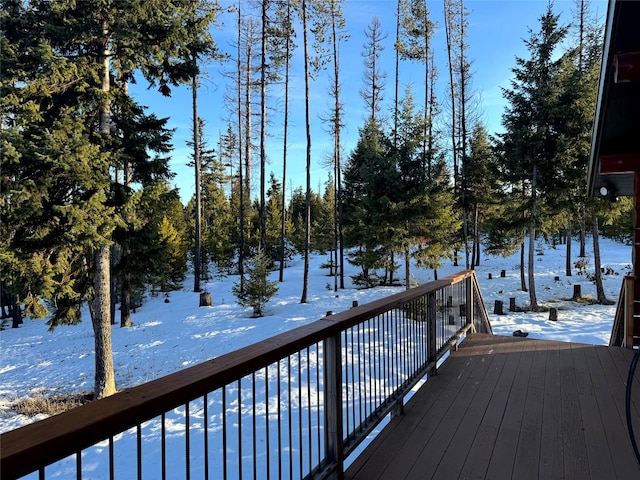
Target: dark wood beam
x=620, y=163
x=627, y=66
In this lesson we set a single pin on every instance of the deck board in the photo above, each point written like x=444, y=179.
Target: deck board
x=503, y=407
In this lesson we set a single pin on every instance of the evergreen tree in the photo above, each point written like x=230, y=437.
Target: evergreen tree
x=374, y=77
x=297, y=205
x=258, y=289
x=61, y=86
x=413, y=43
x=273, y=222
x=143, y=256
x=482, y=184
x=284, y=46
x=371, y=181
x=323, y=219
x=531, y=142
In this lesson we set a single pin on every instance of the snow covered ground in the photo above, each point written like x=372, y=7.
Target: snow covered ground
x=167, y=337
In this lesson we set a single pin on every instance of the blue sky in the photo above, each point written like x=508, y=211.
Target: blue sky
x=495, y=35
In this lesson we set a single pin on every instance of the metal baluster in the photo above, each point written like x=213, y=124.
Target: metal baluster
x=267, y=430
x=279, y=425
x=224, y=433
x=163, y=447
x=253, y=398
x=300, y=412
x=289, y=416
x=370, y=365
x=239, y=383
x=353, y=380
x=187, y=443
x=111, y=472
x=310, y=448
x=206, y=436
x=139, y=450
x=318, y=384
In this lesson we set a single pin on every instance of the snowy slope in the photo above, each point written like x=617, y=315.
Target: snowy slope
x=170, y=336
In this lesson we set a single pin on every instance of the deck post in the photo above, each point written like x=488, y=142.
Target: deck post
x=470, y=294
x=634, y=315
x=334, y=443
x=629, y=311
x=431, y=329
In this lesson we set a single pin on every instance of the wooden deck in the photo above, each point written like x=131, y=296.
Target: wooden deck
x=513, y=408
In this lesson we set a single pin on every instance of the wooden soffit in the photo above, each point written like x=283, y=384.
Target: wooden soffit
x=615, y=146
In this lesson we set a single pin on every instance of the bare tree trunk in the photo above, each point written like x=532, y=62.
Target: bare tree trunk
x=431, y=107
x=583, y=229
x=463, y=135
x=283, y=223
x=407, y=264
x=125, y=300
x=125, y=294
x=16, y=312
x=100, y=308
x=426, y=144
x=448, y=25
x=568, y=265
x=263, y=127
x=247, y=117
x=397, y=80
x=602, y=296
x=475, y=257
x=240, y=157
x=523, y=282
x=533, y=300
x=100, y=305
x=115, y=259
x=307, y=241
x=337, y=147
x=197, y=256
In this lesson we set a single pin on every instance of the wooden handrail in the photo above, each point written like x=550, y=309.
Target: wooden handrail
x=57, y=437
x=622, y=331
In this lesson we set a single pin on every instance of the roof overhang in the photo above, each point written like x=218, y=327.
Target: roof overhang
x=615, y=145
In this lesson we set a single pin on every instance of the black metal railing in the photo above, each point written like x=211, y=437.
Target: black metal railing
x=293, y=406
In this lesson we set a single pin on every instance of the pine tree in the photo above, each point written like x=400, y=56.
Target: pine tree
x=69, y=79
x=482, y=185
x=531, y=142
x=257, y=289
x=371, y=182
x=273, y=222
x=374, y=77
x=414, y=43
x=284, y=47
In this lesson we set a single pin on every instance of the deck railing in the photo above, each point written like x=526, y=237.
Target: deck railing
x=293, y=406
x=626, y=325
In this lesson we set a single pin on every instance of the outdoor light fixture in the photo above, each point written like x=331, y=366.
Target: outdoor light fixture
x=610, y=193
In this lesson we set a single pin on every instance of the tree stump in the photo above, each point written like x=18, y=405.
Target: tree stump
x=577, y=293
x=354, y=304
x=205, y=299
x=498, y=308
x=503, y=273
x=512, y=304
x=556, y=279
x=553, y=314
x=489, y=277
